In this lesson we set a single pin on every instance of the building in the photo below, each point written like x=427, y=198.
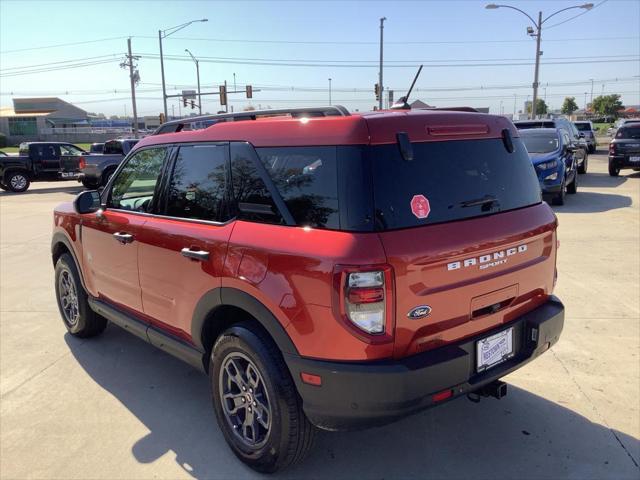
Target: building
x=31, y=117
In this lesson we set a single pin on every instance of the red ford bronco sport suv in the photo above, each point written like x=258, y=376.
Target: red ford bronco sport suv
x=325, y=269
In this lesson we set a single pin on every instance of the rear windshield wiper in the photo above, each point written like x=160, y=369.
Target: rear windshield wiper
x=487, y=201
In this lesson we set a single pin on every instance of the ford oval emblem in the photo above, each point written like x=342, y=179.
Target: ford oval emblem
x=419, y=312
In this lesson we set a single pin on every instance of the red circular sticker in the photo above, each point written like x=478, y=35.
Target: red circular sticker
x=420, y=206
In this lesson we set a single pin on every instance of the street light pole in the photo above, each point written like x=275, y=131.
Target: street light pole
x=381, y=88
x=198, y=75
x=538, y=34
x=329, y=91
x=164, y=34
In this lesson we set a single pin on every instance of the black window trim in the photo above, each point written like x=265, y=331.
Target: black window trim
x=268, y=182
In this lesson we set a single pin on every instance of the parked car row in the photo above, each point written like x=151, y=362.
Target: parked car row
x=61, y=160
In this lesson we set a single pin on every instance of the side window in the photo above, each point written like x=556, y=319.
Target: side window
x=134, y=187
x=307, y=179
x=254, y=202
x=198, y=183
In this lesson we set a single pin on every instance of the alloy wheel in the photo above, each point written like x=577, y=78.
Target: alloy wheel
x=245, y=401
x=68, y=298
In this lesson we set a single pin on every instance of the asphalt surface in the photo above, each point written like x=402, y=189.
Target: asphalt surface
x=116, y=408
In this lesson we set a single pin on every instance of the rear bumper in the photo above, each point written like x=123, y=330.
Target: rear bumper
x=622, y=161
x=364, y=394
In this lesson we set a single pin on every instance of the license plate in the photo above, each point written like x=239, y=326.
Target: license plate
x=495, y=349
x=634, y=159
x=68, y=174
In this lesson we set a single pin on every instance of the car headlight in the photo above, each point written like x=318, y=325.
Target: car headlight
x=547, y=165
x=553, y=176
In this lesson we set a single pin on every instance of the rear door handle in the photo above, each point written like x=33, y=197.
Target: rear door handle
x=123, y=237
x=195, y=254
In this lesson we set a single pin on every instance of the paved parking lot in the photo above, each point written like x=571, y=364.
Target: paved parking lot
x=114, y=407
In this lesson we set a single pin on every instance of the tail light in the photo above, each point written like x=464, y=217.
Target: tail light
x=612, y=149
x=82, y=163
x=363, y=300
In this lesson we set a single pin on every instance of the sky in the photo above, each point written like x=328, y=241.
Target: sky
x=288, y=51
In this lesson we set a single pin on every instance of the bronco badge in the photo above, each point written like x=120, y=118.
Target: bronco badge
x=419, y=312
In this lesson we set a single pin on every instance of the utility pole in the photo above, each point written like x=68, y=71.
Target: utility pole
x=515, y=100
x=134, y=77
x=534, y=105
x=226, y=107
x=381, y=87
x=329, y=91
x=234, y=83
x=164, y=88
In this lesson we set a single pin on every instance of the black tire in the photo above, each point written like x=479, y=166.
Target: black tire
x=79, y=319
x=3, y=187
x=18, y=181
x=290, y=434
x=614, y=171
x=106, y=176
x=582, y=168
x=90, y=184
x=559, y=198
x=572, y=188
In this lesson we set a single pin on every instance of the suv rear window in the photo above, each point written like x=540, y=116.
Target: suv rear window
x=113, y=148
x=629, y=132
x=455, y=176
x=536, y=124
x=583, y=127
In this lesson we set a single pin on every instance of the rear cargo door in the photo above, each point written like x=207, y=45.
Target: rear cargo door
x=463, y=226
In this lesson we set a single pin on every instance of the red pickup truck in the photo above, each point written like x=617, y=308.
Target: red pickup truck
x=325, y=269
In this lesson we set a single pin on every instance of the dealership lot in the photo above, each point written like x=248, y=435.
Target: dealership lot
x=114, y=407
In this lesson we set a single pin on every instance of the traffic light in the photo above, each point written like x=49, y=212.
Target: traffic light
x=249, y=89
x=193, y=104
x=376, y=89
x=184, y=102
x=223, y=95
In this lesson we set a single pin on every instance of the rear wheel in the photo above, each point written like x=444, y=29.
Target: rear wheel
x=74, y=308
x=613, y=170
x=3, y=186
x=106, y=176
x=18, y=182
x=89, y=184
x=255, y=400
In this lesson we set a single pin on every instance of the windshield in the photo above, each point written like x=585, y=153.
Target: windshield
x=583, y=127
x=629, y=132
x=456, y=179
x=541, y=143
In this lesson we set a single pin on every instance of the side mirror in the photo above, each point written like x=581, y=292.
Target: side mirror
x=87, y=202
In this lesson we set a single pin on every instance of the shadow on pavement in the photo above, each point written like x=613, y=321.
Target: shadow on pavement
x=592, y=202
x=70, y=189
x=599, y=180
x=521, y=436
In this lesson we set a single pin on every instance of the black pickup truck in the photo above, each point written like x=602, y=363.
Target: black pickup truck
x=37, y=161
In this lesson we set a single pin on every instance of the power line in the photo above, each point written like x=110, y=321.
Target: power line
x=576, y=16
x=426, y=42
x=59, y=62
x=62, y=45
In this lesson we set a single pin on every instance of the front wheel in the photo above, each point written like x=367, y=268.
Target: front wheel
x=255, y=400
x=18, y=182
x=89, y=184
x=614, y=171
x=74, y=308
x=582, y=168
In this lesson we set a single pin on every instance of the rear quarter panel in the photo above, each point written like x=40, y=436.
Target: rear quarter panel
x=290, y=270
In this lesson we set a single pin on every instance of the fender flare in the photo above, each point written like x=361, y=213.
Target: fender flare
x=225, y=296
x=60, y=237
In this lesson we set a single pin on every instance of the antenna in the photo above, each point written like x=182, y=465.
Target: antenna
x=402, y=103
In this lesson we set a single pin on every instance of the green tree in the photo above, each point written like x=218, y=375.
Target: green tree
x=569, y=106
x=541, y=107
x=607, y=104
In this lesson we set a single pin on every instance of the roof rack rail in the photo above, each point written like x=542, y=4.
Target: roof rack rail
x=173, y=126
x=455, y=109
